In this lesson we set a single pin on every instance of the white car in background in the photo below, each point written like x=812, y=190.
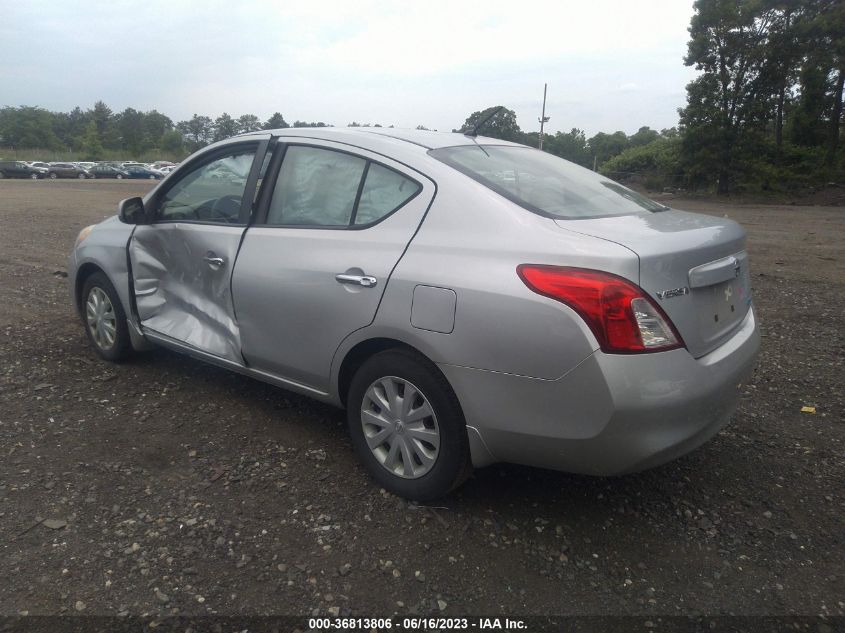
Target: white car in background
x=40, y=166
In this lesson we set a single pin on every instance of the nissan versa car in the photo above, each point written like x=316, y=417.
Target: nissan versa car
x=467, y=300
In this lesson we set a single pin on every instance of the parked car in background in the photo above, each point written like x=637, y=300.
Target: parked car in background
x=19, y=169
x=128, y=164
x=467, y=300
x=168, y=169
x=142, y=172
x=86, y=165
x=43, y=167
x=67, y=170
x=108, y=171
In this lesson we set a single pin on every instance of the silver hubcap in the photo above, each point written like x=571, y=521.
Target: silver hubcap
x=99, y=313
x=400, y=427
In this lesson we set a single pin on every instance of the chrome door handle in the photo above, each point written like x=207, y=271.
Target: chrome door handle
x=358, y=280
x=214, y=261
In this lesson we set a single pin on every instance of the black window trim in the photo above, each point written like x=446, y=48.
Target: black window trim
x=247, y=208
x=268, y=187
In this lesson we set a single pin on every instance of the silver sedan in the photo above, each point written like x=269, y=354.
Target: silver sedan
x=467, y=300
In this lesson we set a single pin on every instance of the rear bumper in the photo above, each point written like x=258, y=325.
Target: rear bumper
x=612, y=414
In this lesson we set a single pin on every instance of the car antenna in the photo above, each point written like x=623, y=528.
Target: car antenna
x=473, y=131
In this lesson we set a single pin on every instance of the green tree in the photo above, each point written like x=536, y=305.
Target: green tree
x=825, y=31
x=92, y=146
x=570, y=145
x=155, y=125
x=172, y=143
x=275, y=122
x=130, y=131
x=643, y=136
x=26, y=127
x=603, y=146
x=248, y=123
x=197, y=131
x=729, y=44
x=224, y=127
x=502, y=126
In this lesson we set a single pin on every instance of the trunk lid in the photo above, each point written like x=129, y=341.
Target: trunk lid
x=693, y=266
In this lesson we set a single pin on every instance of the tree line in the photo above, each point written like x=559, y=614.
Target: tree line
x=94, y=132
x=764, y=112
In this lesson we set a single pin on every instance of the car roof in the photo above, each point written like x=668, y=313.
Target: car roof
x=370, y=137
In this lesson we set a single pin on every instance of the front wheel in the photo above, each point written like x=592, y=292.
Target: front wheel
x=53, y=176
x=407, y=426
x=119, y=176
x=105, y=320
x=33, y=176
x=152, y=177
x=81, y=176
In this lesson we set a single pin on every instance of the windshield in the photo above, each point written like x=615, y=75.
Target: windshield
x=544, y=183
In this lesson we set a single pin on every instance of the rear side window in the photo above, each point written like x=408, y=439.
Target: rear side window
x=543, y=183
x=384, y=191
x=327, y=188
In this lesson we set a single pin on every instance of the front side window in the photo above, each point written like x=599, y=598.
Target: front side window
x=323, y=187
x=211, y=192
x=544, y=183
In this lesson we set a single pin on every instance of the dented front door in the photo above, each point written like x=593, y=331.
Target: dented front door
x=182, y=263
x=182, y=275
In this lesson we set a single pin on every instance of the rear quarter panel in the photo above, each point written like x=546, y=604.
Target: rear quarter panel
x=471, y=242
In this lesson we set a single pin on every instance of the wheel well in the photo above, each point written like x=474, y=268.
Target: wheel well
x=360, y=353
x=85, y=271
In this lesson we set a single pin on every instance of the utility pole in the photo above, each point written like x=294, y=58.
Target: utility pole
x=543, y=118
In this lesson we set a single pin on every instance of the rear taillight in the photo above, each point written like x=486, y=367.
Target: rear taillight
x=620, y=314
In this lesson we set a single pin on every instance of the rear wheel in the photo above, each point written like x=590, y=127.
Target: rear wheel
x=152, y=177
x=2, y=175
x=407, y=426
x=81, y=176
x=119, y=176
x=105, y=320
x=33, y=176
x=54, y=175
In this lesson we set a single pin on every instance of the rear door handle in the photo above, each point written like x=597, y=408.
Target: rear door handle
x=357, y=280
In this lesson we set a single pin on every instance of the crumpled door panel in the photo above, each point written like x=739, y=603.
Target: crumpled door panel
x=179, y=293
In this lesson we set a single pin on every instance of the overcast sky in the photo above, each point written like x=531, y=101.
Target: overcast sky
x=610, y=64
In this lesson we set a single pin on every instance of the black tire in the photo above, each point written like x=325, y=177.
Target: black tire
x=33, y=176
x=121, y=347
x=53, y=175
x=119, y=176
x=2, y=175
x=81, y=176
x=452, y=465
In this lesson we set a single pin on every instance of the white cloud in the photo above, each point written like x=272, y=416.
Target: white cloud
x=610, y=64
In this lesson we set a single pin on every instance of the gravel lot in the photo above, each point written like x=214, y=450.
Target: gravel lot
x=165, y=486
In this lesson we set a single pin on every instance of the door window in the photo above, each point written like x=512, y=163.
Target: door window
x=316, y=187
x=211, y=192
x=384, y=191
x=323, y=187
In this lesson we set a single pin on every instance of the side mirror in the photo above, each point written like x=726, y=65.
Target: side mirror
x=131, y=211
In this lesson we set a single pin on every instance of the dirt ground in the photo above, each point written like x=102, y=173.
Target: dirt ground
x=172, y=487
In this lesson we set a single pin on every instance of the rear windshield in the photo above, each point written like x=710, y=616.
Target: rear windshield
x=544, y=183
